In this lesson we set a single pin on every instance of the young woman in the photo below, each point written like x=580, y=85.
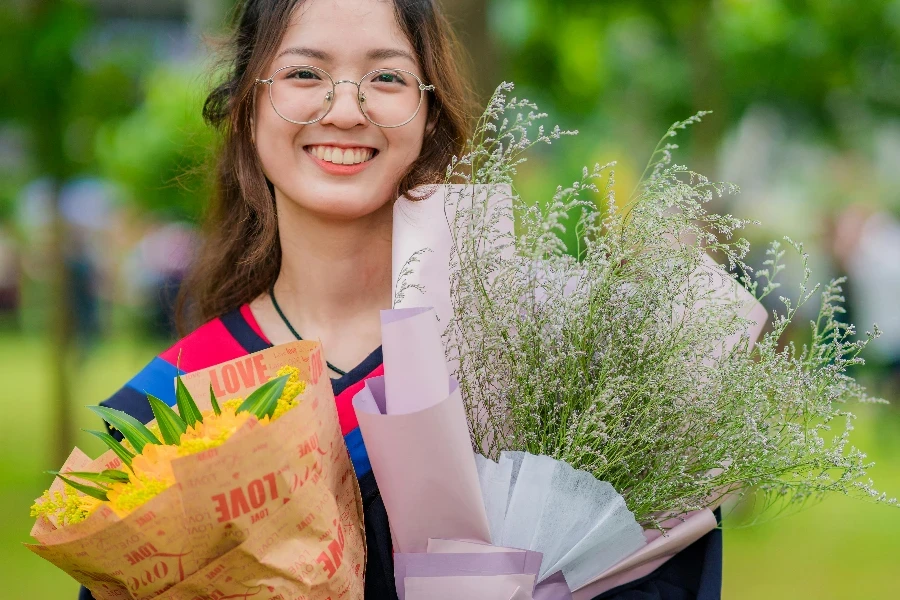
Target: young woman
x=331, y=109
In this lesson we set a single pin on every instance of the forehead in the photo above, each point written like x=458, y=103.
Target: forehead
x=345, y=32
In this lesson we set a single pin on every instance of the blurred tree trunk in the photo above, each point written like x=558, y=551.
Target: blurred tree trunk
x=49, y=70
x=470, y=20
x=61, y=336
x=691, y=23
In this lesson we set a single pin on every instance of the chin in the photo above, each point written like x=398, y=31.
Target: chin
x=349, y=207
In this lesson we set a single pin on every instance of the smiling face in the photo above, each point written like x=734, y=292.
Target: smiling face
x=347, y=39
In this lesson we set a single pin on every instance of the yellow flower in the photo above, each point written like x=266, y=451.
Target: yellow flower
x=292, y=390
x=68, y=506
x=125, y=497
x=213, y=431
x=151, y=475
x=151, y=470
x=230, y=405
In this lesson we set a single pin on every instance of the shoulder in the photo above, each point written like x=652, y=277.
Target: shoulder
x=224, y=338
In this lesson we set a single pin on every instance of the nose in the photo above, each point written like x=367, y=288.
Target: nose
x=344, y=111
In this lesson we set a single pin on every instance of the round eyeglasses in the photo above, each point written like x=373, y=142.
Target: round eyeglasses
x=304, y=94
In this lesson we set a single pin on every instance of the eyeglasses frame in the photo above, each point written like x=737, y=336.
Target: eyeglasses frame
x=359, y=99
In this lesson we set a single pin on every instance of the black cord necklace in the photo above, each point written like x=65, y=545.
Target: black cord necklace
x=294, y=331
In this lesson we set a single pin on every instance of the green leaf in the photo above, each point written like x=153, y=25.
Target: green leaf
x=264, y=399
x=121, y=451
x=133, y=430
x=170, y=424
x=187, y=408
x=212, y=400
x=99, y=494
x=103, y=477
x=118, y=475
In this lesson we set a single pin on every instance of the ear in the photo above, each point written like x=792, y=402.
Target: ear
x=429, y=127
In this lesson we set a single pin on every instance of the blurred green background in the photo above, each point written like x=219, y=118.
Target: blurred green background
x=101, y=181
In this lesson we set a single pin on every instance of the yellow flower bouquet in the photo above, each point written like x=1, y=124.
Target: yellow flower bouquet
x=253, y=493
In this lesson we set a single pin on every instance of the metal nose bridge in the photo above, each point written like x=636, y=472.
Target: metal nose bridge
x=361, y=97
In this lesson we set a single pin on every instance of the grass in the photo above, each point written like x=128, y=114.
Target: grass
x=25, y=451
x=841, y=548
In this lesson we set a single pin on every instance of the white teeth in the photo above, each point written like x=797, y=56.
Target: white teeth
x=348, y=156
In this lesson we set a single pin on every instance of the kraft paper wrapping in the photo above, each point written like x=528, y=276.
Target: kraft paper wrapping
x=277, y=507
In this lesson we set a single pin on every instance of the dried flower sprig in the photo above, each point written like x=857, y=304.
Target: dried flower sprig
x=611, y=359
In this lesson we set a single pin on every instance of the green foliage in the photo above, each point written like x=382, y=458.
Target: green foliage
x=187, y=407
x=104, y=477
x=585, y=57
x=113, y=444
x=263, y=400
x=93, y=492
x=171, y=426
x=214, y=402
x=132, y=430
x=159, y=151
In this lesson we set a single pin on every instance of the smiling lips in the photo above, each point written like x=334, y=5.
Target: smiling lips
x=341, y=156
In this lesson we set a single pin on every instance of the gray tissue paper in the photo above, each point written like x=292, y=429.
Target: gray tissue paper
x=580, y=525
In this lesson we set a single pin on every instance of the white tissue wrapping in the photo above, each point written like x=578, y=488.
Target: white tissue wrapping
x=580, y=525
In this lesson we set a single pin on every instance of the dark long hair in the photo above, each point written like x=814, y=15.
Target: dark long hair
x=241, y=254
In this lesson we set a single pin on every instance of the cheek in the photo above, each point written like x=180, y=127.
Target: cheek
x=406, y=142
x=274, y=142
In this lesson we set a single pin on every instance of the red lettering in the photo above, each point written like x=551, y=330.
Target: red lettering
x=260, y=515
x=309, y=445
x=332, y=558
x=230, y=378
x=329, y=567
x=305, y=522
x=207, y=454
x=142, y=552
x=236, y=502
x=273, y=489
x=315, y=366
x=239, y=504
x=245, y=370
x=260, y=367
x=337, y=552
x=212, y=574
x=257, y=493
x=143, y=520
x=214, y=381
x=222, y=507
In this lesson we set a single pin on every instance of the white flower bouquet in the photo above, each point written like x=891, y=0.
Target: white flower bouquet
x=636, y=358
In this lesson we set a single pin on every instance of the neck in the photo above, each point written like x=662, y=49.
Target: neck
x=333, y=272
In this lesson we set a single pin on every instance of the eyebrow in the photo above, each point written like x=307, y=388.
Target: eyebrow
x=375, y=54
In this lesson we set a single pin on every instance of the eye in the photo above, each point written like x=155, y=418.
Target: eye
x=389, y=77
x=302, y=74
